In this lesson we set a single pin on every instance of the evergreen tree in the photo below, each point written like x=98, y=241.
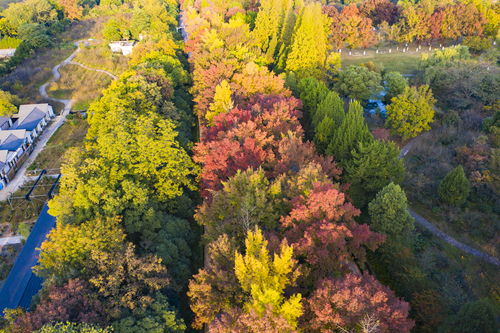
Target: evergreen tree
x=373, y=165
x=222, y=101
x=395, y=84
x=454, y=188
x=352, y=131
x=358, y=82
x=324, y=133
x=331, y=106
x=309, y=45
x=389, y=212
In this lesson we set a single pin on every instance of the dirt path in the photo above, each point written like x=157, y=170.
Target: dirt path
x=20, y=177
x=422, y=221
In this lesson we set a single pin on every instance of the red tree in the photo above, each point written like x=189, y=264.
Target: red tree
x=347, y=301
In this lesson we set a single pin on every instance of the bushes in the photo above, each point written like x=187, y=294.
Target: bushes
x=454, y=188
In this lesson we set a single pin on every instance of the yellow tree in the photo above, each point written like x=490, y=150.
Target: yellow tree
x=265, y=278
x=7, y=101
x=309, y=45
x=222, y=101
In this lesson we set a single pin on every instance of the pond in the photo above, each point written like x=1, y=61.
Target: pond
x=375, y=105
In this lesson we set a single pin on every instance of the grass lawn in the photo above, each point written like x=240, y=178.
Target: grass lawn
x=80, y=84
x=405, y=63
x=70, y=134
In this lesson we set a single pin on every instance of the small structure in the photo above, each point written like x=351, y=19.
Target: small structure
x=7, y=53
x=124, y=47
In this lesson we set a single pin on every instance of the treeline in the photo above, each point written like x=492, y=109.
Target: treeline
x=285, y=250
x=124, y=244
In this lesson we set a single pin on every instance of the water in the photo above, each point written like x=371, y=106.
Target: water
x=375, y=104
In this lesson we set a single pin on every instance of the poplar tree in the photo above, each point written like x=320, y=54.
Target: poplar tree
x=309, y=45
x=351, y=132
x=222, y=101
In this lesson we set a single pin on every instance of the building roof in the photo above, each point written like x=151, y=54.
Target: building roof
x=4, y=155
x=4, y=120
x=11, y=140
x=30, y=115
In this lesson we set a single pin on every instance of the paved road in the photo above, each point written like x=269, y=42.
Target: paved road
x=422, y=221
x=57, y=122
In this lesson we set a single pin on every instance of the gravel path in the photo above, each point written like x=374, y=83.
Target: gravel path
x=422, y=221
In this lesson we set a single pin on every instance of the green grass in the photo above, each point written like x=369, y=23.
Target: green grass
x=405, y=63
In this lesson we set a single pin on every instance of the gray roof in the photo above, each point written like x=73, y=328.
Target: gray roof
x=29, y=119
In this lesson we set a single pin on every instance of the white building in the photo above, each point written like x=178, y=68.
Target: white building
x=124, y=47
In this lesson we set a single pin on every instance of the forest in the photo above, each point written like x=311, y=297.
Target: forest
x=236, y=177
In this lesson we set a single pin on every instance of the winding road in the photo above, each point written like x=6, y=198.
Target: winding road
x=58, y=121
x=422, y=221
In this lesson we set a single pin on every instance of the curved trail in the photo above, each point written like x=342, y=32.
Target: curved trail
x=422, y=221
x=58, y=121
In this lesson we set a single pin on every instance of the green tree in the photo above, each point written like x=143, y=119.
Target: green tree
x=246, y=200
x=389, y=213
x=351, y=132
x=158, y=317
x=73, y=328
x=477, y=316
x=454, y=188
x=411, y=112
x=264, y=278
x=222, y=101
x=112, y=30
x=331, y=106
x=373, y=165
x=324, y=133
x=358, y=82
x=309, y=46
x=311, y=92
x=395, y=84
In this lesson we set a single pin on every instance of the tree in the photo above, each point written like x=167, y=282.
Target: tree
x=72, y=10
x=66, y=252
x=411, y=112
x=346, y=301
x=311, y=92
x=264, y=279
x=350, y=28
x=395, y=85
x=238, y=321
x=222, y=101
x=215, y=289
x=389, y=212
x=380, y=11
x=351, y=132
x=126, y=280
x=358, y=82
x=158, y=317
x=309, y=45
x=31, y=11
x=477, y=316
x=246, y=200
x=454, y=188
x=75, y=301
x=461, y=20
x=373, y=165
x=112, y=30
x=8, y=104
x=324, y=234
x=331, y=106
x=73, y=328
x=324, y=133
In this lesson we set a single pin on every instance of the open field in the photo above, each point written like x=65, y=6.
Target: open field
x=405, y=63
x=79, y=84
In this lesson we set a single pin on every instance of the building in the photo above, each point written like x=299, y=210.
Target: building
x=7, y=53
x=124, y=47
x=18, y=133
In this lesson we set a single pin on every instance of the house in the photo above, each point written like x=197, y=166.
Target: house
x=33, y=118
x=17, y=135
x=124, y=47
